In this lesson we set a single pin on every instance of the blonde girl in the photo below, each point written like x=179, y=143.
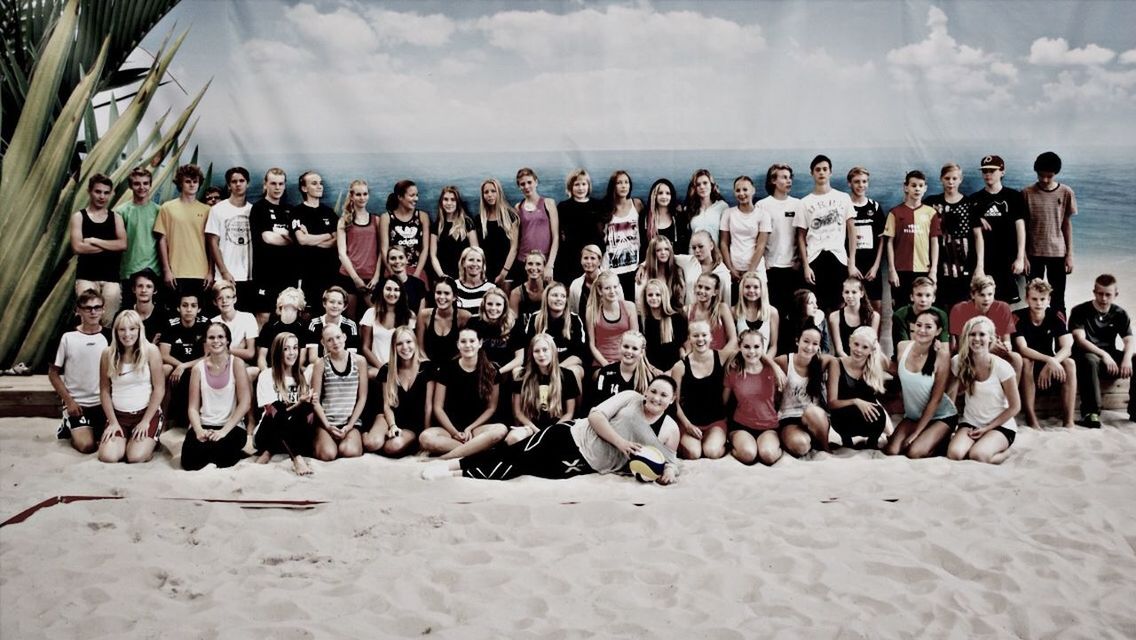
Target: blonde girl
x=987, y=428
x=660, y=263
x=357, y=240
x=131, y=387
x=496, y=325
x=526, y=298
x=498, y=232
x=565, y=328
x=855, y=311
x=609, y=316
x=701, y=413
x=546, y=392
x=629, y=371
x=339, y=394
x=751, y=383
x=754, y=312
x=407, y=396
x=466, y=392
x=856, y=387
x=704, y=258
x=471, y=284
x=451, y=233
x=664, y=326
x=285, y=396
x=580, y=289
x=709, y=306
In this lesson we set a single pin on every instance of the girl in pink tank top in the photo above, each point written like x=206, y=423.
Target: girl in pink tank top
x=609, y=316
x=539, y=222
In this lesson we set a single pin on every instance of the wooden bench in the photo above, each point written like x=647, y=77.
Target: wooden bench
x=28, y=397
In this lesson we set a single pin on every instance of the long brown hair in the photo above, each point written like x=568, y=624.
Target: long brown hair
x=530, y=380
x=276, y=360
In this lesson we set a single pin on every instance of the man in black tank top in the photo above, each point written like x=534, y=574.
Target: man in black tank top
x=98, y=237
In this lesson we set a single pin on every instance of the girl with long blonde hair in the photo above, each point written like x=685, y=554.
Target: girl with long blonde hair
x=660, y=263
x=664, y=326
x=987, y=429
x=498, y=231
x=546, y=393
x=752, y=381
x=357, y=240
x=407, y=394
x=755, y=313
x=609, y=316
x=709, y=306
x=131, y=387
x=856, y=388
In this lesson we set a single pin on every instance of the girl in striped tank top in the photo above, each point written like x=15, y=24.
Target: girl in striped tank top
x=339, y=391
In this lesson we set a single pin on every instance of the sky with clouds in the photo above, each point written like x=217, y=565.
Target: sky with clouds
x=345, y=76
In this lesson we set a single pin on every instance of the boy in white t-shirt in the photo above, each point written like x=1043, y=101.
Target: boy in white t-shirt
x=75, y=374
x=782, y=265
x=228, y=236
x=826, y=236
x=743, y=233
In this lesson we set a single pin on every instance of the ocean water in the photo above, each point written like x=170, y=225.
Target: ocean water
x=1101, y=178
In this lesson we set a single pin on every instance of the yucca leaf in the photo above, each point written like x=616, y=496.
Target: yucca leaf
x=49, y=317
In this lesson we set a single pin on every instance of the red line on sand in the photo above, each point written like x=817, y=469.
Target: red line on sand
x=51, y=502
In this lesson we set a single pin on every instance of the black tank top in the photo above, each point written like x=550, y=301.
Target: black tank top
x=702, y=397
x=100, y=267
x=440, y=348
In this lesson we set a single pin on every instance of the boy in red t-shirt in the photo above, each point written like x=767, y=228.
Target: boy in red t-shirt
x=982, y=303
x=909, y=229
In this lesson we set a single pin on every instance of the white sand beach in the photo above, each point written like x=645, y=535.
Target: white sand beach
x=852, y=545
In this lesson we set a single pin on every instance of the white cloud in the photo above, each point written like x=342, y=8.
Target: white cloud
x=395, y=27
x=1128, y=57
x=1056, y=51
x=1098, y=90
x=961, y=76
x=266, y=52
x=343, y=29
x=620, y=36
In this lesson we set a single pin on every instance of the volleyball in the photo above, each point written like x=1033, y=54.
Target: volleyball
x=647, y=464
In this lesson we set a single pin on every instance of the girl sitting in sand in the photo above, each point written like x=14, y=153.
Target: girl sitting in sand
x=545, y=392
x=988, y=383
x=924, y=369
x=219, y=398
x=755, y=313
x=285, y=396
x=406, y=390
x=802, y=418
x=855, y=388
x=701, y=412
x=630, y=371
x=750, y=385
x=565, y=327
x=525, y=299
x=601, y=443
x=131, y=386
x=466, y=393
x=663, y=325
x=437, y=327
x=339, y=393
x=378, y=323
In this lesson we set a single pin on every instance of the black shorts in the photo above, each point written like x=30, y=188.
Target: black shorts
x=1010, y=435
x=733, y=425
x=91, y=418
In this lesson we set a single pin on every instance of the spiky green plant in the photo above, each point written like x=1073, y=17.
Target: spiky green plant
x=42, y=182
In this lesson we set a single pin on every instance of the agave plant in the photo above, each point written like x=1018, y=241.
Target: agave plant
x=43, y=178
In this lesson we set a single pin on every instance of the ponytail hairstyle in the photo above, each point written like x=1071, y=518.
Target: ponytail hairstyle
x=865, y=312
x=390, y=384
x=762, y=302
x=801, y=319
x=967, y=364
x=531, y=404
x=715, y=254
x=736, y=363
x=349, y=212
x=815, y=386
x=400, y=189
x=691, y=329
x=595, y=298
x=666, y=325
x=506, y=217
x=276, y=361
x=118, y=355
x=484, y=369
x=642, y=373
x=875, y=367
x=715, y=304
x=669, y=271
x=465, y=255
x=541, y=318
x=535, y=253
x=457, y=220
x=929, y=364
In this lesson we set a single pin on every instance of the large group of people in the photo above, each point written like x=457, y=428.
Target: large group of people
x=560, y=338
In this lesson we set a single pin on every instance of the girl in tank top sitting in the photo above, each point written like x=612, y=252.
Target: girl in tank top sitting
x=801, y=416
x=752, y=381
x=609, y=316
x=525, y=299
x=539, y=223
x=285, y=395
x=339, y=393
x=219, y=398
x=545, y=393
x=924, y=367
x=131, y=387
x=755, y=313
x=709, y=306
x=855, y=311
x=856, y=387
x=701, y=413
x=406, y=390
x=437, y=327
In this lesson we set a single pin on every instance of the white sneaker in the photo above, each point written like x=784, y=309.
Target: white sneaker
x=436, y=471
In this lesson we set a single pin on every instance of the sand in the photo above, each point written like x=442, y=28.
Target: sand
x=851, y=545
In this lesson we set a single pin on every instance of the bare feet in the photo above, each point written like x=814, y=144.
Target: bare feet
x=300, y=466
x=263, y=458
